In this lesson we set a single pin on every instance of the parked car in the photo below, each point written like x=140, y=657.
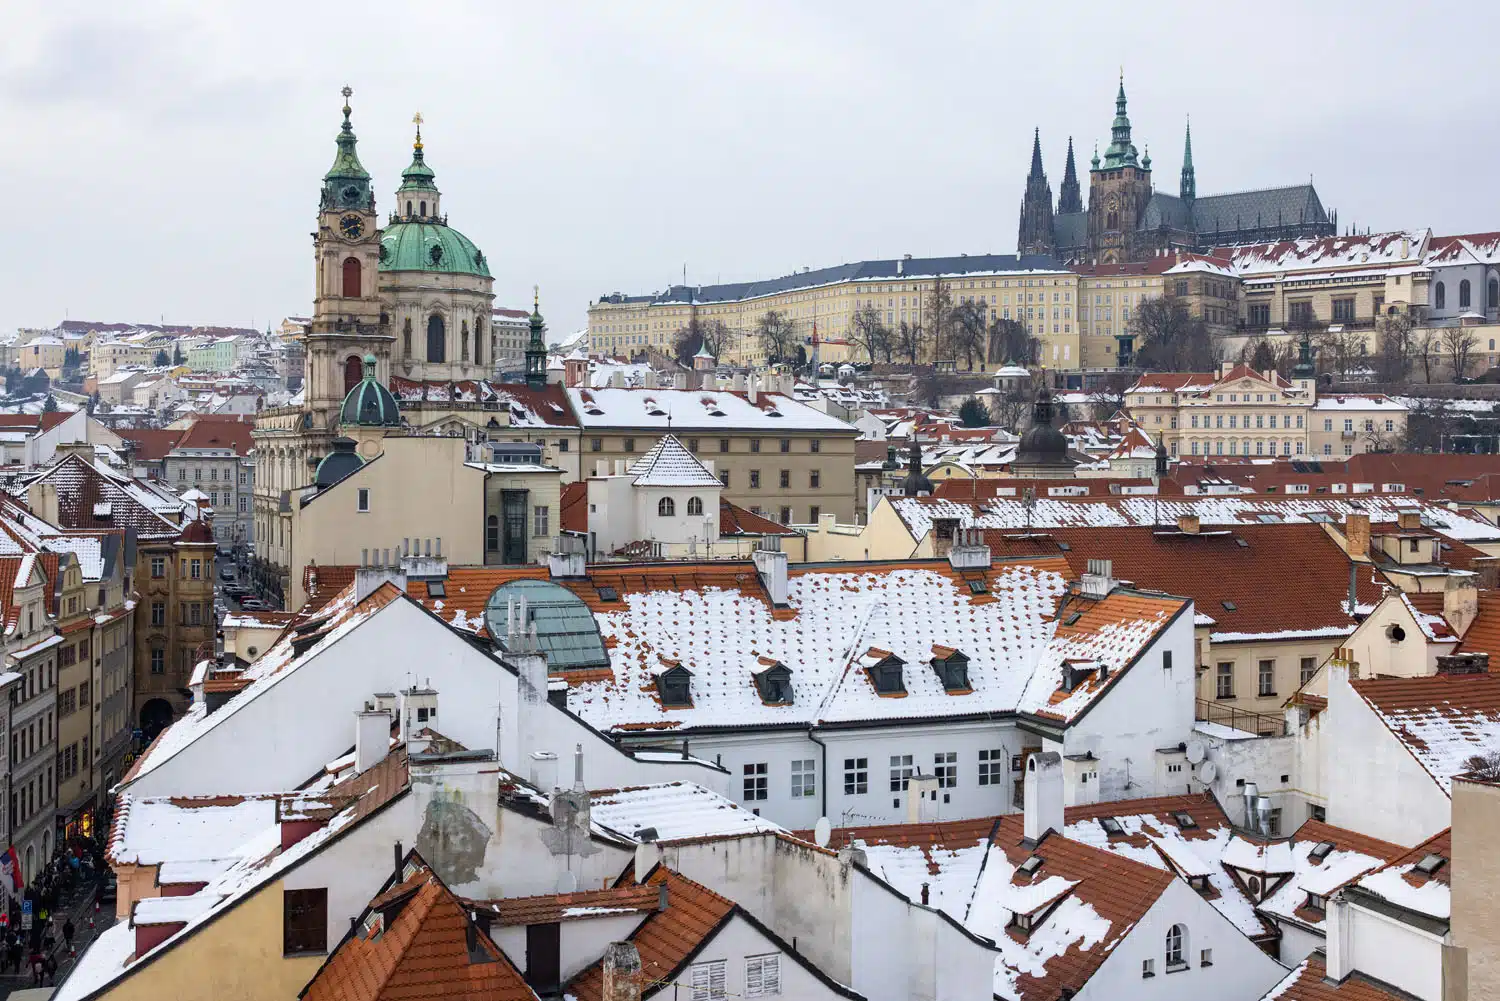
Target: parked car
x=254, y=605
x=227, y=573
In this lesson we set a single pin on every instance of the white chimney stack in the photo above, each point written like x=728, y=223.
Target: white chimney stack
x=544, y=771
x=1042, y=795
x=372, y=738
x=771, y=564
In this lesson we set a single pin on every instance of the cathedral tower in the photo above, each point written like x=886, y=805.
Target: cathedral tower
x=1188, y=188
x=1119, y=189
x=1036, y=236
x=347, y=322
x=1069, y=199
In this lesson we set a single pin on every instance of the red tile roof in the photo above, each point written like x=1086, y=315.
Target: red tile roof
x=1483, y=634
x=735, y=520
x=323, y=584
x=574, y=516
x=151, y=444
x=219, y=432
x=1309, y=982
x=419, y=949
x=553, y=907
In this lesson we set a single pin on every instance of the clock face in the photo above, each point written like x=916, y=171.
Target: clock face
x=351, y=226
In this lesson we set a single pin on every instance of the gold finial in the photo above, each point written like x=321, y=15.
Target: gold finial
x=417, y=120
x=536, y=298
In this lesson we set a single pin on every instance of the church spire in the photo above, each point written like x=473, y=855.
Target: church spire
x=536, y=348
x=1069, y=198
x=1036, y=234
x=418, y=194
x=1121, y=151
x=1189, y=187
x=347, y=183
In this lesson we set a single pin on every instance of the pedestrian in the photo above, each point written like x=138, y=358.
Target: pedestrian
x=36, y=967
x=13, y=952
x=49, y=968
x=68, y=931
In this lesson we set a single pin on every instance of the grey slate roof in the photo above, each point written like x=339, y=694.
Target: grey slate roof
x=1254, y=209
x=1071, y=229
x=919, y=267
x=1166, y=210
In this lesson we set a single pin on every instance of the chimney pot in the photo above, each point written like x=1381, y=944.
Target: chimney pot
x=622, y=972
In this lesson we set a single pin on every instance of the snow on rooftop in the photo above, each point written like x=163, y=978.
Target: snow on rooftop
x=670, y=464
x=154, y=830
x=1431, y=897
x=907, y=867
x=696, y=409
x=676, y=810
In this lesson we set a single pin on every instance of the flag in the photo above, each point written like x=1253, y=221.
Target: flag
x=10, y=869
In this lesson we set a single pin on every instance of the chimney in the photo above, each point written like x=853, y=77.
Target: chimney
x=1460, y=603
x=647, y=854
x=926, y=894
x=651, y=378
x=752, y=390
x=1099, y=580
x=544, y=771
x=1188, y=524
x=968, y=551
x=771, y=564
x=709, y=382
x=523, y=652
x=369, y=578
x=617, y=379
x=1409, y=521
x=680, y=380
x=578, y=785
x=372, y=738
x=1042, y=795
x=622, y=972
x=1251, y=793
x=569, y=561
x=1357, y=535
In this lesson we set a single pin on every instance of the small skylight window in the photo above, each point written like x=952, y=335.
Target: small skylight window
x=607, y=593
x=1430, y=864
x=1320, y=851
x=1072, y=618
x=1184, y=820
x=1241, y=542
x=1031, y=865
x=437, y=589
x=1111, y=826
x=1064, y=547
x=977, y=587
x=1230, y=606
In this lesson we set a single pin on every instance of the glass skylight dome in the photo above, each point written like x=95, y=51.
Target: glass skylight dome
x=565, y=628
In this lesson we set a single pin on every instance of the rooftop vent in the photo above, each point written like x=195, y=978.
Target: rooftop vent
x=1031, y=865
x=1429, y=864
x=607, y=593
x=1320, y=851
x=1185, y=820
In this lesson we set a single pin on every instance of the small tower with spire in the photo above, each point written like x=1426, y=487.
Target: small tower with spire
x=1119, y=188
x=417, y=198
x=1069, y=197
x=536, y=349
x=1036, y=234
x=1188, y=189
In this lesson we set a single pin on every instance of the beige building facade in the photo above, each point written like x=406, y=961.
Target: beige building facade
x=1475, y=921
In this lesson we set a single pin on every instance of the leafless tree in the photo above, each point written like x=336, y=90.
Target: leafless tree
x=1010, y=344
x=1011, y=408
x=1341, y=352
x=966, y=323
x=778, y=336
x=1169, y=339
x=1458, y=345
x=1429, y=424
x=908, y=341
x=937, y=315
x=695, y=334
x=1108, y=398
x=1393, y=348
x=868, y=331
x=932, y=385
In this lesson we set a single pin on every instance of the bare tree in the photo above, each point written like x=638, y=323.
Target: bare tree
x=868, y=331
x=1011, y=408
x=778, y=336
x=696, y=333
x=1426, y=347
x=908, y=341
x=1429, y=424
x=1010, y=344
x=937, y=313
x=1169, y=339
x=967, y=332
x=1393, y=348
x=932, y=385
x=1342, y=351
x=1108, y=398
x=1458, y=345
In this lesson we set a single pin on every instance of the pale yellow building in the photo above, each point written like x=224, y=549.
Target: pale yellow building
x=1475, y=922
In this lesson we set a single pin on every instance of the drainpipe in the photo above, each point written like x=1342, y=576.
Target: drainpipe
x=812, y=735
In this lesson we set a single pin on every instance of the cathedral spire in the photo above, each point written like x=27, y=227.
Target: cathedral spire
x=1189, y=187
x=1121, y=151
x=536, y=348
x=347, y=183
x=1069, y=198
x=1036, y=234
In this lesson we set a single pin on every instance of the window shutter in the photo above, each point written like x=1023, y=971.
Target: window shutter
x=753, y=982
x=770, y=973
x=708, y=981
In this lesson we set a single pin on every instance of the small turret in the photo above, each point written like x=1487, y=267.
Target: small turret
x=1069, y=197
x=536, y=348
x=1188, y=189
x=915, y=484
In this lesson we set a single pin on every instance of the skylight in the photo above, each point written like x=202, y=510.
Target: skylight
x=977, y=587
x=607, y=593
x=565, y=627
x=1111, y=826
x=1184, y=820
x=437, y=589
x=1429, y=864
x=1031, y=865
x=1072, y=618
x=1229, y=606
x=1320, y=851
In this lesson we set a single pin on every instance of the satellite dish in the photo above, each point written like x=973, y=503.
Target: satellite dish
x=1195, y=751
x=1207, y=772
x=822, y=831
x=566, y=882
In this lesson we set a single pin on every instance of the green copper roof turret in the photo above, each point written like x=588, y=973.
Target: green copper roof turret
x=347, y=183
x=1121, y=151
x=418, y=176
x=369, y=404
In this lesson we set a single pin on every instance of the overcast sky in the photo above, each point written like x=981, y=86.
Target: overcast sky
x=163, y=159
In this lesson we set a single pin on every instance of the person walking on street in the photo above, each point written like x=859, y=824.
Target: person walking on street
x=36, y=966
x=68, y=931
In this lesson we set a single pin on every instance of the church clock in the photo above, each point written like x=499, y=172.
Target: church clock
x=352, y=227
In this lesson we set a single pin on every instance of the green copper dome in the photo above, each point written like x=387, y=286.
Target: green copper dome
x=418, y=176
x=430, y=246
x=347, y=183
x=370, y=404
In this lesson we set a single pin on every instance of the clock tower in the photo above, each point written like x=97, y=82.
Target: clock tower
x=347, y=321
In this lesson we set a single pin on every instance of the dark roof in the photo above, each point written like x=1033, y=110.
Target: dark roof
x=1257, y=209
x=1070, y=229
x=1166, y=210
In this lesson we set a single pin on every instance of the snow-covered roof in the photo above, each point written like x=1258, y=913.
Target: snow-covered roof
x=698, y=410
x=1405, y=883
x=1375, y=402
x=670, y=464
x=676, y=810
x=1443, y=719
x=153, y=830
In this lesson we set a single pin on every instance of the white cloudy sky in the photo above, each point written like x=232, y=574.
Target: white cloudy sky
x=163, y=159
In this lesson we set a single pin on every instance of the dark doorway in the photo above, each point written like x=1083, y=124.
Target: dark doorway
x=156, y=716
x=543, y=957
x=354, y=371
x=513, y=511
x=437, y=339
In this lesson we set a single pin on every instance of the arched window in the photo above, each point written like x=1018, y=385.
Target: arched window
x=408, y=207
x=424, y=208
x=1494, y=298
x=492, y=533
x=695, y=506
x=463, y=340
x=666, y=507
x=1440, y=297
x=351, y=278
x=406, y=338
x=353, y=372
x=1177, y=944
x=478, y=341
x=1112, y=221
x=437, y=339
x=1463, y=294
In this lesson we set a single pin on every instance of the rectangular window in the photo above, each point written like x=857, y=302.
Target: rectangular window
x=195, y=614
x=755, y=479
x=723, y=444
x=197, y=571
x=786, y=444
x=363, y=503
x=786, y=516
x=813, y=513
x=158, y=613
x=901, y=771
x=856, y=776
x=596, y=444
x=158, y=567
x=707, y=981
x=1148, y=968
x=693, y=444
x=1343, y=310
x=786, y=478
x=815, y=445
x=1225, y=680
x=945, y=767
x=755, y=444
x=539, y=520
x=1309, y=668
x=762, y=976
x=158, y=661
x=756, y=776
x=991, y=767
x=630, y=444
x=1267, y=676
x=815, y=479
x=804, y=779
x=724, y=477
x=304, y=921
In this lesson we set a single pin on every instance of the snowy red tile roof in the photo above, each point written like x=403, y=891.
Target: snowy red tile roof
x=1308, y=981
x=735, y=520
x=699, y=410
x=1413, y=882
x=1443, y=720
x=547, y=407
x=219, y=432
x=668, y=463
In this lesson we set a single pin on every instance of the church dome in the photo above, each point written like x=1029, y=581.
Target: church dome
x=337, y=464
x=370, y=404
x=1042, y=444
x=430, y=246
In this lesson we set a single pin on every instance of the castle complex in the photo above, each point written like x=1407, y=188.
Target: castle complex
x=1127, y=219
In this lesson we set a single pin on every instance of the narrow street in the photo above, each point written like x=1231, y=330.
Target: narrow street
x=80, y=907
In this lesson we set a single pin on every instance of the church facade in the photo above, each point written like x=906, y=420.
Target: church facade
x=1127, y=219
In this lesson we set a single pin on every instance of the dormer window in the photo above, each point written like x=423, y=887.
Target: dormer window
x=674, y=685
x=1076, y=672
x=884, y=669
x=1199, y=883
x=1021, y=922
x=952, y=668
x=1316, y=902
x=773, y=680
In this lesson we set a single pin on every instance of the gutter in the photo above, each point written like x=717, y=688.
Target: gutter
x=812, y=735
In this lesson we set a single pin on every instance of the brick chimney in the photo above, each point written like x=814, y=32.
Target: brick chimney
x=622, y=972
x=1357, y=534
x=1188, y=524
x=1409, y=521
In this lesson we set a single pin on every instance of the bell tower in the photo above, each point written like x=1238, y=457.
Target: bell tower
x=1118, y=191
x=347, y=321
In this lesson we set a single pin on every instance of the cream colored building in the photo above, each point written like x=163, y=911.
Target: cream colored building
x=1475, y=905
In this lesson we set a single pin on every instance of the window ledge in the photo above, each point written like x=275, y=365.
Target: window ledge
x=1147, y=976
x=1178, y=968
x=309, y=952
x=1222, y=698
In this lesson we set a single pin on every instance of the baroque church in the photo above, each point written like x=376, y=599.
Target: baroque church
x=1128, y=220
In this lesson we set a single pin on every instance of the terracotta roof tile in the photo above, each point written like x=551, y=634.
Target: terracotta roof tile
x=1483, y=634
x=667, y=938
x=1347, y=840
x=151, y=444
x=219, y=432
x=1441, y=719
x=574, y=516
x=1309, y=982
x=735, y=520
x=419, y=949
x=323, y=584
x=552, y=907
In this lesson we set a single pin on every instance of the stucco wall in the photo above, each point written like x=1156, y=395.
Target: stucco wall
x=1396, y=953
x=1476, y=883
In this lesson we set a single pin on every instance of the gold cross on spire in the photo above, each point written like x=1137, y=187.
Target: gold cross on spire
x=417, y=120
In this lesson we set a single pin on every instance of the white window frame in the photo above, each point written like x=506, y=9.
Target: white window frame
x=362, y=500
x=804, y=778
